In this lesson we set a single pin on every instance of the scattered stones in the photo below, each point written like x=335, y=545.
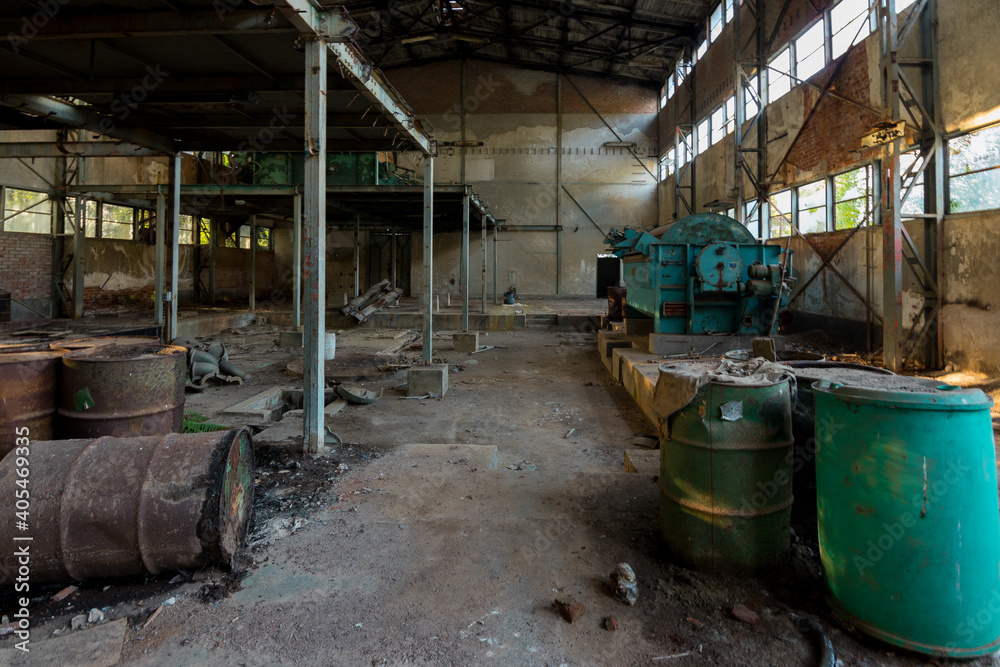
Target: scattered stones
x=743, y=613
x=78, y=622
x=95, y=616
x=624, y=584
x=570, y=608
x=611, y=623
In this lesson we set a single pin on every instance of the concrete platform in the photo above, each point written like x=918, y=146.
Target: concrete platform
x=466, y=342
x=609, y=341
x=713, y=346
x=639, y=372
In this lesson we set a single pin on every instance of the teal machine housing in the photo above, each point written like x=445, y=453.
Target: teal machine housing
x=703, y=274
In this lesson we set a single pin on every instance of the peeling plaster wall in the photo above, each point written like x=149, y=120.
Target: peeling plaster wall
x=829, y=144
x=513, y=112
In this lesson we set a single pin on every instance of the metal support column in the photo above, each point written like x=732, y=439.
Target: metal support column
x=213, y=244
x=559, y=234
x=357, y=254
x=464, y=268
x=395, y=256
x=495, y=262
x=161, y=250
x=253, y=263
x=892, y=236
x=297, y=260
x=79, y=259
x=484, y=267
x=314, y=228
x=175, y=249
x=428, y=259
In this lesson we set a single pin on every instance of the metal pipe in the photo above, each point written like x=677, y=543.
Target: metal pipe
x=175, y=245
x=314, y=227
x=464, y=269
x=297, y=260
x=428, y=259
x=161, y=231
x=122, y=507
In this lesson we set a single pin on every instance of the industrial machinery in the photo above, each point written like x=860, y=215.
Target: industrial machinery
x=703, y=274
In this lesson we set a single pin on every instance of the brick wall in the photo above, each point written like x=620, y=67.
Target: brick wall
x=831, y=140
x=26, y=265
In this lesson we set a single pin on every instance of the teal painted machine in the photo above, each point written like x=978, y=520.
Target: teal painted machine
x=703, y=274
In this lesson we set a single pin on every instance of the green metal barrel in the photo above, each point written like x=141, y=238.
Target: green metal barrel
x=726, y=478
x=909, y=528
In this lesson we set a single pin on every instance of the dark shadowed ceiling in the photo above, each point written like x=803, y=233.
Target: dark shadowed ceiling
x=630, y=40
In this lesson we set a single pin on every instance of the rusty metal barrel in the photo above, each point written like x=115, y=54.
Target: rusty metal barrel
x=28, y=382
x=726, y=478
x=118, y=507
x=122, y=390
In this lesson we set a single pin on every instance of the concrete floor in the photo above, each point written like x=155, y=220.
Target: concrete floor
x=384, y=553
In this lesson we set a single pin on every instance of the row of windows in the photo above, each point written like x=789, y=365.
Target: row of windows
x=849, y=21
x=31, y=212
x=844, y=201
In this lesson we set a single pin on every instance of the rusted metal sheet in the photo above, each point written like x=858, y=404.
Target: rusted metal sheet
x=28, y=383
x=122, y=390
x=118, y=507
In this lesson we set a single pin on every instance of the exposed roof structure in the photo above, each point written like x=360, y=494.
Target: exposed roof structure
x=629, y=40
x=169, y=75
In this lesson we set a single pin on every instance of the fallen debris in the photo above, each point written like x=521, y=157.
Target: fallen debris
x=78, y=622
x=624, y=584
x=357, y=395
x=611, y=624
x=64, y=593
x=647, y=441
x=523, y=465
x=97, y=646
x=570, y=608
x=95, y=616
x=743, y=613
x=827, y=658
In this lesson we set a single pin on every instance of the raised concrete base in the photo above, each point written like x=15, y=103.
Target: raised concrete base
x=423, y=380
x=645, y=461
x=290, y=339
x=609, y=341
x=711, y=346
x=466, y=342
x=638, y=326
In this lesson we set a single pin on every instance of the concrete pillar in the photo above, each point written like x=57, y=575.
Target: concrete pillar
x=161, y=249
x=495, y=255
x=314, y=228
x=428, y=259
x=484, y=266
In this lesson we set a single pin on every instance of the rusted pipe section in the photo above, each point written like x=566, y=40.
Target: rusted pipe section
x=122, y=390
x=119, y=507
x=28, y=383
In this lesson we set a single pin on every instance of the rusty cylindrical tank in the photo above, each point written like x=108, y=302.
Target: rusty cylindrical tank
x=122, y=390
x=28, y=382
x=84, y=343
x=117, y=507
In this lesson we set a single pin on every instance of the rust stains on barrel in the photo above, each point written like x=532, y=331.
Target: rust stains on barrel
x=118, y=507
x=122, y=390
x=27, y=394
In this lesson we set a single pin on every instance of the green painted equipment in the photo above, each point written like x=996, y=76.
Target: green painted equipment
x=909, y=529
x=702, y=274
x=726, y=485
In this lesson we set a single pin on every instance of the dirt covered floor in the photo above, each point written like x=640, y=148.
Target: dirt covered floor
x=440, y=531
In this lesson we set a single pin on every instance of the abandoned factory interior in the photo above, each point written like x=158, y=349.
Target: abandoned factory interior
x=463, y=333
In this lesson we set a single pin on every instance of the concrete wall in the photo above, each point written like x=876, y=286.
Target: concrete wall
x=829, y=143
x=26, y=272
x=514, y=113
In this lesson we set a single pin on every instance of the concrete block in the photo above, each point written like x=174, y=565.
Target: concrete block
x=290, y=339
x=609, y=341
x=423, y=380
x=635, y=326
x=466, y=342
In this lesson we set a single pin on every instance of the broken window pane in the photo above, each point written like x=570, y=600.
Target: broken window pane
x=781, y=214
x=974, y=170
